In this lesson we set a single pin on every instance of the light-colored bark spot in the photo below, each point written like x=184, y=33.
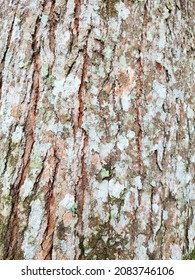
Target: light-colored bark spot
x=115, y=188
x=68, y=201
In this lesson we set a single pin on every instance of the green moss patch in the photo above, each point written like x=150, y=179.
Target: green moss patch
x=190, y=256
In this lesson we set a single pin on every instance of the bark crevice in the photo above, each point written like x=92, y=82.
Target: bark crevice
x=83, y=181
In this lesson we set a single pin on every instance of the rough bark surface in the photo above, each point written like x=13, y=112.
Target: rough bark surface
x=96, y=129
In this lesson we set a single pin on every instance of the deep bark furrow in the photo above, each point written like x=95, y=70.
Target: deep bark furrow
x=50, y=209
x=5, y=53
x=83, y=181
x=52, y=37
x=139, y=96
x=14, y=238
x=77, y=10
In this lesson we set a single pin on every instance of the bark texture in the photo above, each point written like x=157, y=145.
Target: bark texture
x=96, y=129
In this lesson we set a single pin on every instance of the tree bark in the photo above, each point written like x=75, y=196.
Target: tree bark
x=96, y=129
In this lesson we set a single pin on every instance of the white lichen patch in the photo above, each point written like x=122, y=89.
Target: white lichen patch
x=125, y=102
x=101, y=190
x=162, y=36
x=71, y=85
x=138, y=182
x=151, y=246
x=30, y=243
x=153, y=183
x=155, y=207
x=165, y=215
x=131, y=200
x=55, y=126
x=26, y=188
x=151, y=32
x=120, y=225
x=122, y=10
x=159, y=92
x=44, y=70
x=121, y=170
x=192, y=158
x=114, y=28
x=68, y=201
x=190, y=113
x=67, y=248
x=44, y=19
x=191, y=235
x=108, y=52
x=122, y=61
x=17, y=134
x=115, y=188
x=122, y=143
x=105, y=149
x=100, y=194
x=176, y=253
x=141, y=251
x=130, y=134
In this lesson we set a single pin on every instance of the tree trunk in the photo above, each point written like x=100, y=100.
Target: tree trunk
x=96, y=129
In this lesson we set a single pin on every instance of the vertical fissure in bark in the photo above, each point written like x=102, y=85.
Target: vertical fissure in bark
x=27, y=201
x=5, y=53
x=9, y=150
x=77, y=10
x=139, y=95
x=134, y=229
x=140, y=92
x=150, y=226
x=50, y=209
x=52, y=36
x=13, y=236
x=83, y=180
x=186, y=229
x=159, y=231
x=74, y=31
x=190, y=217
